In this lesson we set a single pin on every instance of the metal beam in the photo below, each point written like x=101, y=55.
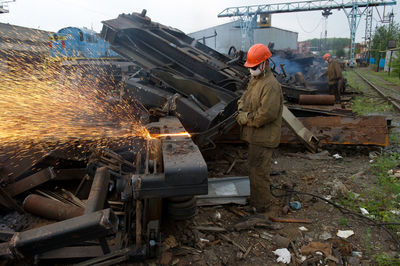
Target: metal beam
x=248, y=14
x=57, y=235
x=298, y=7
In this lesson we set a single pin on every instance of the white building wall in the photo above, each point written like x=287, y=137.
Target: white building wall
x=229, y=34
x=389, y=54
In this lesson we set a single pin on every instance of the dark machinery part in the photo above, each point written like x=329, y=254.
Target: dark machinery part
x=98, y=192
x=184, y=171
x=185, y=78
x=86, y=227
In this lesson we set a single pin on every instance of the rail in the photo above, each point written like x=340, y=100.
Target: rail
x=389, y=99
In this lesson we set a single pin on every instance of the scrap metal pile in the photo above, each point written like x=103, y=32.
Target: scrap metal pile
x=108, y=201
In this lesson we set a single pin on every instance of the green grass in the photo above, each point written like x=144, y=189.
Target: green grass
x=393, y=78
x=382, y=200
x=343, y=221
x=394, y=138
x=364, y=104
x=384, y=259
x=368, y=242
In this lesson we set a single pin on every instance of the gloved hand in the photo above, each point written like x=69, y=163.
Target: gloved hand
x=242, y=118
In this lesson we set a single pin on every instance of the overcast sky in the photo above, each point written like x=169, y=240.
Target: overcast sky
x=188, y=16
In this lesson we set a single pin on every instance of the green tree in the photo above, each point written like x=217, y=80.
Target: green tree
x=340, y=52
x=382, y=36
x=396, y=63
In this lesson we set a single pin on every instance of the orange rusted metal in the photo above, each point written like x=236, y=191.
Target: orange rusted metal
x=317, y=99
x=363, y=130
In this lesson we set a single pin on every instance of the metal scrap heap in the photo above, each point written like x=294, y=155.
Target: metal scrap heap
x=189, y=92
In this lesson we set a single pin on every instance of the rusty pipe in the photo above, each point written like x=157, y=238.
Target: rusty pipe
x=50, y=209
x=317, y=99
x=98, y=191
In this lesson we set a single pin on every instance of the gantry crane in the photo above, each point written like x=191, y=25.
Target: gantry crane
x=4, y=5
x=248, y=14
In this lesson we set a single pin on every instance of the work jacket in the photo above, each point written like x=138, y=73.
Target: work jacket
x=263, y=100
x=334, y=72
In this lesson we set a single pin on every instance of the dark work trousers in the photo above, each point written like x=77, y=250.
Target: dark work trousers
x=259, y=161
x=334, y=90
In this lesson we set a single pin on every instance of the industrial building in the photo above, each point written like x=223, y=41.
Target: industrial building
x=222, y=37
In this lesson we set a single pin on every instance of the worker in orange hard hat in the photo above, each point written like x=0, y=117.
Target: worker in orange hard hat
x=260, y=118
x=335, y=77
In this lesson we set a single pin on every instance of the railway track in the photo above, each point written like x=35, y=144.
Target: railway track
x=391, y=95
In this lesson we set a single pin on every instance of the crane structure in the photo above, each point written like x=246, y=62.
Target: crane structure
x=4, y=6
x=354, y=9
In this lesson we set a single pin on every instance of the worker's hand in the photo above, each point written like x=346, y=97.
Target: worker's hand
x=242, y=118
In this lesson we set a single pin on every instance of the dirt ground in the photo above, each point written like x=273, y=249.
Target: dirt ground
x=185, y=244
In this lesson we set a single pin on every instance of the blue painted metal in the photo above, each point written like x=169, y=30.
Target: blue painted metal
x=250, y=13
x=79, y=43
x=247, y=24
x=298, y=7
x=382, y=62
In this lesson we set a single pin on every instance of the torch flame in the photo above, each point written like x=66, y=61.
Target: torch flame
x=185, y=133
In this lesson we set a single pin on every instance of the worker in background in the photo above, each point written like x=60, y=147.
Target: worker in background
x=335, y=77
x=260, y=118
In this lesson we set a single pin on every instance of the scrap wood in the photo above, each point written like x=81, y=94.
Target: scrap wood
x=317, y=246
x=289, y=220
x=231, y=167
x=210, y=228
x=248, y=251
x=215, y=242
x=344, y=246
x=263, y=245
x=190, y=249
x=226, y=238
x=294, y=249
x=239, y=212
x=255, y=221
x=73, y=198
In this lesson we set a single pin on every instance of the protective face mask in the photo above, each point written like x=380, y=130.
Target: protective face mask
x=256, y=72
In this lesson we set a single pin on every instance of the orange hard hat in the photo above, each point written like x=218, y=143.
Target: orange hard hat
x=257, y=54
x=326, y=56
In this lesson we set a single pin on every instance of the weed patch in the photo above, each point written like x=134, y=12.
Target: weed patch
x=384, y=259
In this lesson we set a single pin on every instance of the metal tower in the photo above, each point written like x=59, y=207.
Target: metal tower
x=4, y=6
x=368, y=30
x=248, y=14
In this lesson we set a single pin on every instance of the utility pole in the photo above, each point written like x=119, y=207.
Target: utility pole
x=368, y=32
x=326, y=14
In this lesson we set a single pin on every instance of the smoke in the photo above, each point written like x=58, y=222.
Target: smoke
x=290, y=67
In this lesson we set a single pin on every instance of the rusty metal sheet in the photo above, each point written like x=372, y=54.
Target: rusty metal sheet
x=302, y=132
x=365, y=130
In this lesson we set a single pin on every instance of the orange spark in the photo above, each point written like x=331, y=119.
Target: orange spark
x=46, y=103
x=185, y=133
